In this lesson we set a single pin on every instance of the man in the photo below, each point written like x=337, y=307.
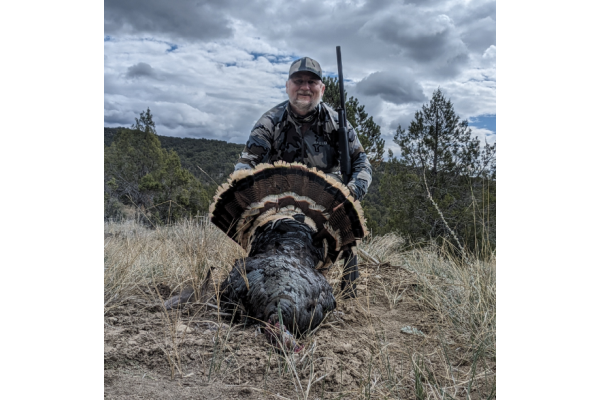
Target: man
x=304, y=129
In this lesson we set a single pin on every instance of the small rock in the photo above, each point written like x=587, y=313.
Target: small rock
x=182, y=328
x=411, y=330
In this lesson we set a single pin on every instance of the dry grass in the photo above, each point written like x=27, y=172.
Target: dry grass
x=463, y=293
x=180, y=255
x=454, y=359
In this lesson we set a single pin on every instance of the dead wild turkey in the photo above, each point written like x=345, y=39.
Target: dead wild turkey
x=294, y=222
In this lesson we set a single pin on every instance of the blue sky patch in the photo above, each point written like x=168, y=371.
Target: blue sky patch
x=487, y=121
x=255, y=55
x=273, y=59
x=172, y=46
x=107, y=38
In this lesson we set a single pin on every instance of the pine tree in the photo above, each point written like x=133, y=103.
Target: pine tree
x=441, y=161
x=145, y=123
x=140, y=173
x=129, y=162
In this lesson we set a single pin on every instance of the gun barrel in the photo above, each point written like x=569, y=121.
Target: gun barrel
x=338, y=51
x=343, y=132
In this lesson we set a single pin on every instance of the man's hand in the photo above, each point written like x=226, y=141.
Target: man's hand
x=352, y=188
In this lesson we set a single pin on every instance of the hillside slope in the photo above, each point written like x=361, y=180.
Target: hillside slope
x=216, y=157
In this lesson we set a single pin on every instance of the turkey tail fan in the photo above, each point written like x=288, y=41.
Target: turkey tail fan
x=254, y=197
x=292, y=221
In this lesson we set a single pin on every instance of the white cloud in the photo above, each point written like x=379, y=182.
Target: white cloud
x=216, y=82
x=483, y=135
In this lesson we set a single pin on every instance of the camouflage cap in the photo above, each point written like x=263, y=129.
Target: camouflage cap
x=306, y=64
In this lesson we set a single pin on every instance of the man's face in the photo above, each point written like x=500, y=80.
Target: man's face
x=305, y=91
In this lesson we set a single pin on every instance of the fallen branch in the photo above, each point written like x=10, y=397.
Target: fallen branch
x=367, y=257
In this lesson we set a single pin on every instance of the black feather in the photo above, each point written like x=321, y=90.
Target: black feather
x=280, y=272
x=313, y=220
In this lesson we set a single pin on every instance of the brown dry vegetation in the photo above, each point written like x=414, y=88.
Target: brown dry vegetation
x=423, y=326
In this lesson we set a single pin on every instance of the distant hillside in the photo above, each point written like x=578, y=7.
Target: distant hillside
x=216, y=157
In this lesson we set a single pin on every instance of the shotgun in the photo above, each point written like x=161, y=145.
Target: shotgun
x=351, y=262
x=343, y=129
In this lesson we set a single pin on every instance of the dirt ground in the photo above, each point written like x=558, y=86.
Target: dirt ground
x=197, y=354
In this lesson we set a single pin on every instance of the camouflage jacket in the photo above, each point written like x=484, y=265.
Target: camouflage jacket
x=312, y=140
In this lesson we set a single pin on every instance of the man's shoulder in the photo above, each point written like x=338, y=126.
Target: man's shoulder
x=277, y=112
x=269, y=120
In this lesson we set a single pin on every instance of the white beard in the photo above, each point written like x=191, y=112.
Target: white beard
x=306, y=106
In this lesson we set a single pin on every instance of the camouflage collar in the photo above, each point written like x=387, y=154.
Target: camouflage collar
x=307, y=118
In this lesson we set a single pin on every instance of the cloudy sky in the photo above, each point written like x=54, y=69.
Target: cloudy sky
x=211, y=68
